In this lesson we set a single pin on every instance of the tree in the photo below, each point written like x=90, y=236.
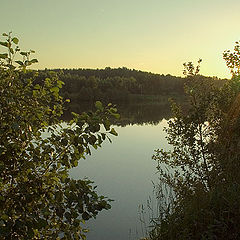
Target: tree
x=201, y=170
x=38, y=199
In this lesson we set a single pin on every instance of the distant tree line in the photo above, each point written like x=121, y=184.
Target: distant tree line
x=115, y=84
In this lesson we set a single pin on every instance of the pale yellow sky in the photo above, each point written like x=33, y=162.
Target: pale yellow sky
x=154, y=35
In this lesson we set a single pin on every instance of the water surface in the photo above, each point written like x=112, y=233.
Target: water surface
x=124, y=171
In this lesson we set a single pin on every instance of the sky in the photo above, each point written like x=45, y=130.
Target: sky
x=150, y=35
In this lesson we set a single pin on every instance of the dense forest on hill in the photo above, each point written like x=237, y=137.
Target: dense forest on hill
x=117, y=84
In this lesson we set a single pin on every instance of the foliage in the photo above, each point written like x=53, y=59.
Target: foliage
x=38, y=199
x=116, y=85
x=202, y=167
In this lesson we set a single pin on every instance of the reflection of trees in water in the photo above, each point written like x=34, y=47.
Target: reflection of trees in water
x=140, y=113
x=143, y=113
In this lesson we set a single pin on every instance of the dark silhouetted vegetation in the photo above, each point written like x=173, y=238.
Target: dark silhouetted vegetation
x=202, y=170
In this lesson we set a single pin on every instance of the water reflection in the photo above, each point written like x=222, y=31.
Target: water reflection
x=124, y=170
x=138, y=113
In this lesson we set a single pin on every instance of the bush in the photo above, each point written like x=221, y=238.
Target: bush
x=38, y=199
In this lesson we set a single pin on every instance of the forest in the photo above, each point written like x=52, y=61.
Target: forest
x=118, y=85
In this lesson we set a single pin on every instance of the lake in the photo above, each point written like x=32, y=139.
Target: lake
x=124, y=171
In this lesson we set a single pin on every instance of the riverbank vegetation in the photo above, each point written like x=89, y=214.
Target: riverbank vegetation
x=38, y=199
x=201, y=172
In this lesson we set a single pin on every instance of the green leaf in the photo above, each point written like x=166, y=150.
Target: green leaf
x=113, y=132
x=19, y=62
x=24, y=54
x=107, y=125
x=75, y=163
x=37, y=86
x=60, y=83
x=113, y=110
x=5, y=44
x=15, y=40
x=116, y=115
x=34, y=60
x=2, y=150
x=4, y=217
x=99, y=105
x=54, y=89
x=56, y=179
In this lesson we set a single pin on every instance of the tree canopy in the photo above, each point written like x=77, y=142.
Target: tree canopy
x=38, y=199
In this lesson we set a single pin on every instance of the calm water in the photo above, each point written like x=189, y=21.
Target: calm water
x=123, y=170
